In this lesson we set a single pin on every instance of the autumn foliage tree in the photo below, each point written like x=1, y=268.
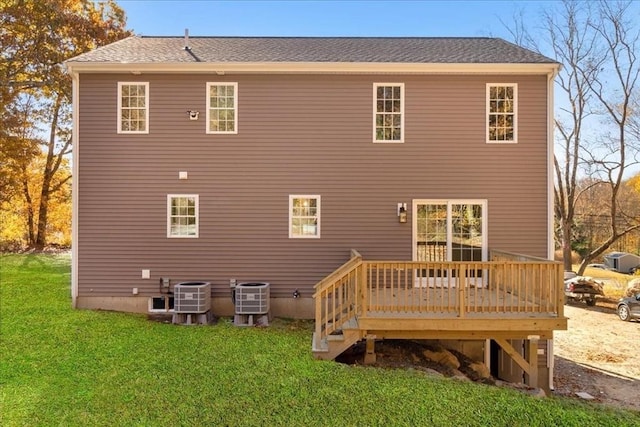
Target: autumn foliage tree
x=36, y=36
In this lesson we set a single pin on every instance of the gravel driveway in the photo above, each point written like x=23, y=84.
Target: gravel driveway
x=599, y=354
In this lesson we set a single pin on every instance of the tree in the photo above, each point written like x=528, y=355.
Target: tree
x=571, y=42
x=596, y=144
x=592, y=224
x=20, y=213
x=612, y=78
x=36, y=36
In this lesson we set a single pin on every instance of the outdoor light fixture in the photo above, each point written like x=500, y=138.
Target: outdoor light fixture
x=193, y=115
x=402, y=212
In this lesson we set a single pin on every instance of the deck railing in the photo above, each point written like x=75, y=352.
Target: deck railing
x=509, y=284
x=336, y=296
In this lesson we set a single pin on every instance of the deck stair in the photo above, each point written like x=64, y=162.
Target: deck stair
x=334, y=344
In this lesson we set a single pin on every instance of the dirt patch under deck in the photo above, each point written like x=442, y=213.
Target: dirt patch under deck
x=598, y=354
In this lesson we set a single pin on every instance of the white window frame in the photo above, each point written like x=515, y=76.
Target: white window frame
x=291, y=216
x=146, y=107
x=375, y=113
x=515, y=113
x=235, y=107
x=170, y=197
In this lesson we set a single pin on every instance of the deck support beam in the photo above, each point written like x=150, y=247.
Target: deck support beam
x=530, y=367
x=533, y=359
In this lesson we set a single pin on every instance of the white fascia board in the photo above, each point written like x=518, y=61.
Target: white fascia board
x=309, y=67
x=75, y=168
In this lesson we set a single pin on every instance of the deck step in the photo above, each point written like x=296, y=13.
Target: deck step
x=319, y=346
x=333, y=345
x=350, y=324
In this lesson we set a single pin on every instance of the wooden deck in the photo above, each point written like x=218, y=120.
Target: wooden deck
x=509, y=297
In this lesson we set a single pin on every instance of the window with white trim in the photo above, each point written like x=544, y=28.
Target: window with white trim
x=222, y=107
x=388, y=112
x=502, y=109
x=304, y=217
x=182, y=215
x=133, y=107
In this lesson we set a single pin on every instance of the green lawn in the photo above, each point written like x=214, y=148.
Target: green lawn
x=64, y=367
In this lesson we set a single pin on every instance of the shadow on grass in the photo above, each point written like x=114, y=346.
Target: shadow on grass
x=604, y=385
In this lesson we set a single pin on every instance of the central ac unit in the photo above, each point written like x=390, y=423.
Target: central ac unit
x=251, y=298
x=192, y=297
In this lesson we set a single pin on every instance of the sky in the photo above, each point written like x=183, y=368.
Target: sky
x=326, y=18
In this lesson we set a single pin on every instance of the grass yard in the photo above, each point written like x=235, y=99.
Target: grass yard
x=65, y=367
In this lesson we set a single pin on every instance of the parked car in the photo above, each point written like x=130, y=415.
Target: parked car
x=629, y=308
x=582, y=288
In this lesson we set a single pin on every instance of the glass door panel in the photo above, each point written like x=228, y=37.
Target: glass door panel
x=466, y=232
x=431, y=239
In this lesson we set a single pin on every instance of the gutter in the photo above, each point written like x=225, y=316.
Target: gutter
x=222, y=68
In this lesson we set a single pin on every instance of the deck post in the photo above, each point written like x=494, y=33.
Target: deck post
x=462, y=284
x=559, y=288
x=319, y=318
x=370, y=355
x=532, y=342
x=362, y=289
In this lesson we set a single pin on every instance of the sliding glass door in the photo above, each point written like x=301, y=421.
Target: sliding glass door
x=449, y=230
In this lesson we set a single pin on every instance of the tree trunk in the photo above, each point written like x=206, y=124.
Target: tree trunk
x=566, y=246
x=50, y=168
x=31, y=238
x=43, y=211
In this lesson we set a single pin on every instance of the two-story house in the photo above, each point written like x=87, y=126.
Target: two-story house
x=299, y=162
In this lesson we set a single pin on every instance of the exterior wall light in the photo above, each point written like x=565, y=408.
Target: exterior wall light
x=193, y=115
x=402, y=212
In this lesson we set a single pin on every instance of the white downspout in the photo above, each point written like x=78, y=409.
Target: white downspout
x=550, y=199
x=550, y=167
x=75, y=78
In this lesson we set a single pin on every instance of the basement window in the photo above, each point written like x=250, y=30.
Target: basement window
x=161, y=304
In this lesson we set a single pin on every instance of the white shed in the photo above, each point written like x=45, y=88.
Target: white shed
x=622, y=262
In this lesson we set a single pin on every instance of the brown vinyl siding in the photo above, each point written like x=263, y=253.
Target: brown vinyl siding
x=297, y=134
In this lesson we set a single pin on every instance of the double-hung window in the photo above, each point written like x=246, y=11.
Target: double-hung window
x=222, y=107
x=133, y=107
x=182, y=215
x=304, y=217
x=502, y=110
x=388, y=112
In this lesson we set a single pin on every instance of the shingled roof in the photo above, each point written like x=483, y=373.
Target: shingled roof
x=416, y=50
